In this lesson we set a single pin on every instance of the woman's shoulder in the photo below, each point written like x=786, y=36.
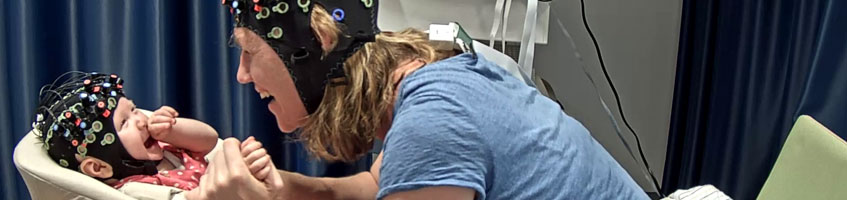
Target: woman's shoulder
x=456, y=62
x=466, y=66
x=459, y=76
x=451, y=72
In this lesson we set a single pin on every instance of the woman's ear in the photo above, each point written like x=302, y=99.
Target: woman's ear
x=94, y=167
x=327, y=40
x=324, y=28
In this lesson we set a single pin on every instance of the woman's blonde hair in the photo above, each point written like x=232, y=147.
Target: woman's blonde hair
x=344, y=125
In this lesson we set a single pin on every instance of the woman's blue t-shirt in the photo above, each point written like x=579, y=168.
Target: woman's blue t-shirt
x=466, y=122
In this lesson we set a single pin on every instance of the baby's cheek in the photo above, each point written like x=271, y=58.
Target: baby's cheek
x=156, y=157
x=132, y=146
x=157, y=153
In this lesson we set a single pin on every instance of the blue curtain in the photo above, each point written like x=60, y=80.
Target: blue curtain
x=169, y=52
x=746, y=70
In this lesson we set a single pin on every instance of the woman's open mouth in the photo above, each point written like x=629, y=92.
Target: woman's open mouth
x=267, y=98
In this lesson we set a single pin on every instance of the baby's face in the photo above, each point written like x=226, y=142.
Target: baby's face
x=131, y=125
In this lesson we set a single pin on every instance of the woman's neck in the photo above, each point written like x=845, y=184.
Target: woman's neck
x=397, y=76
x=404, y=69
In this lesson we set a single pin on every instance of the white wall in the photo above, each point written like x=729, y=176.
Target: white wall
x=638, y=40
x=639, y=44
x=475, y=16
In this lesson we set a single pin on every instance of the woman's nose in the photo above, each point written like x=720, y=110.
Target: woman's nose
x=243, y=74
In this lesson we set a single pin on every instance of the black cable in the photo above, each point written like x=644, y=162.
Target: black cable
x=617, y=97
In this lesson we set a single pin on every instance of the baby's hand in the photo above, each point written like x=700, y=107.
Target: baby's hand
x=256, y=158
x=161, y=121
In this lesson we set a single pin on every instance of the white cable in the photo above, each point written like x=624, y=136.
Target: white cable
x=528, y=37
x=498, y=10
x=615, y=124
x=508, y=6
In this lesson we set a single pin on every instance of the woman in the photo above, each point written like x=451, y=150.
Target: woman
x=454, y=126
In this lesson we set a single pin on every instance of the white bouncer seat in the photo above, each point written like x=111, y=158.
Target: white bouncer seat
x=47, y=180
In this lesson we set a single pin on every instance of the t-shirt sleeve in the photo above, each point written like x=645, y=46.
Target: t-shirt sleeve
x=433, y=142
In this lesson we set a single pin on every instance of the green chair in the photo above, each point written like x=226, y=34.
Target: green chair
x=811, y=165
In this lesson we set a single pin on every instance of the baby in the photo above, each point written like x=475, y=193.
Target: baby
x=88, y=125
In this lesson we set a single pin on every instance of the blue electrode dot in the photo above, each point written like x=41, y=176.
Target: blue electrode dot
x=338, y=14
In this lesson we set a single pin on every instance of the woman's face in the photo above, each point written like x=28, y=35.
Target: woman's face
x=261, y=66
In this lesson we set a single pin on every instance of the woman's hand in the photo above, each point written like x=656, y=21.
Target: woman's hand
x=256, y=158
x=160, y=123
x=228, y=177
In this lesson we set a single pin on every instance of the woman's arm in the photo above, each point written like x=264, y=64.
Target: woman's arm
x=359, y=186
x=228, y=177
